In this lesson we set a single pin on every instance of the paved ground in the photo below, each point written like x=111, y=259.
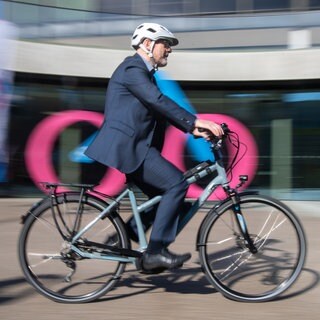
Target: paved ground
x=183, y=294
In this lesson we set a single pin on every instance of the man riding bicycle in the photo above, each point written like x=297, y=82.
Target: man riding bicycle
x=132, y=135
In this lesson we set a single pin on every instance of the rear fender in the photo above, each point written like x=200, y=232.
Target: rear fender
x=61, y=195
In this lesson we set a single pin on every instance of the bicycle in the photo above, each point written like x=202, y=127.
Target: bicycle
x=74, y=247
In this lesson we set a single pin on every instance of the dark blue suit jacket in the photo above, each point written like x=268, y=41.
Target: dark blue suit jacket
x=134, y=114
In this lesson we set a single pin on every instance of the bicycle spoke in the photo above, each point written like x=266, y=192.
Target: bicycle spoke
x=236, y=265
x=52, y=265
x=267, y=235
x=220, y=241
x=46, y=258
x=48, y=224
x=241, y=274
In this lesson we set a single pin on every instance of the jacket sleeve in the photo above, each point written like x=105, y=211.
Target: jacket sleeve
x=139, y=83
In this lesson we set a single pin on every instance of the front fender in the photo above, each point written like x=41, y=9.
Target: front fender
x=213, y=210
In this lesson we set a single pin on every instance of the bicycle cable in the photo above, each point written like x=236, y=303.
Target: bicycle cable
x=234, y=140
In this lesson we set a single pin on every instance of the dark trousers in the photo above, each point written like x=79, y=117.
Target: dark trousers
x=157, y=176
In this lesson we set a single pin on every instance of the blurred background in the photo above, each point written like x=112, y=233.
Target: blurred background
x=255, y=60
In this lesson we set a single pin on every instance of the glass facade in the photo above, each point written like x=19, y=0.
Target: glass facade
x=282, y=116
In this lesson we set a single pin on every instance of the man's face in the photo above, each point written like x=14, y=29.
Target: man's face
x=161, y=51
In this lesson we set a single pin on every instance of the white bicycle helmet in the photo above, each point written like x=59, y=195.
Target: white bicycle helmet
x=154, y=32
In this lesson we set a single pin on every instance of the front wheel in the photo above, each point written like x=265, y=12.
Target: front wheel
x=233, y=269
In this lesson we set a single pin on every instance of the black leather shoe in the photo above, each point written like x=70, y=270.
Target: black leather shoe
x=163, y=260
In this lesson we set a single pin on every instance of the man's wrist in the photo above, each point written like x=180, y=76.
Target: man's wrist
x=193, y=127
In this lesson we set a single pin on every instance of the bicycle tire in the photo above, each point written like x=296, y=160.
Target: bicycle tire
x=236, y=272
x=42, y=247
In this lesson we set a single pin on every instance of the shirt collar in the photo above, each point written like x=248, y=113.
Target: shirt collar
x=150, y=67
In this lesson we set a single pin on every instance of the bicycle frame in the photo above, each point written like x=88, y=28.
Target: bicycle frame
x=220, y=179
x=200, y=172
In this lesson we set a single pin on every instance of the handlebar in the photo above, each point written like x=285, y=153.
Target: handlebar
x=216, y=142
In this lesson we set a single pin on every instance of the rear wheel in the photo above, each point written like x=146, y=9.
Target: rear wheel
x=45, y=252
x=240, y=274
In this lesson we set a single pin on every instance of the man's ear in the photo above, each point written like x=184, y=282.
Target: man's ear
x=147, y=43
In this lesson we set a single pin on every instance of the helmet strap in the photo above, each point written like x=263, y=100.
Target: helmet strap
x=151, y=48
x=149, y=52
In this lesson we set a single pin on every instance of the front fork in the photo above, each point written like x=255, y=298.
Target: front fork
x=241, y=222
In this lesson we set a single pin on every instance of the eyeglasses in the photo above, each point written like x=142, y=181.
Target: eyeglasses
x=165, y=43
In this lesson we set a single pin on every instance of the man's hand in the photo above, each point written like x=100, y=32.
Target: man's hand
x=210, y=128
